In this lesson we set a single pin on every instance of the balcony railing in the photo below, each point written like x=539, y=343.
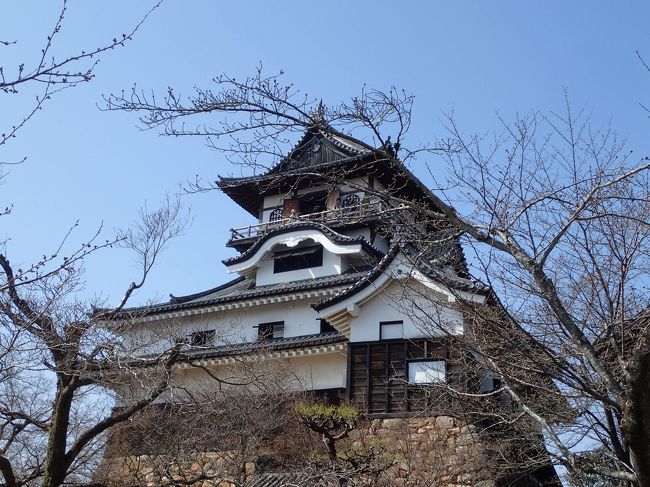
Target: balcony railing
x=349, y=214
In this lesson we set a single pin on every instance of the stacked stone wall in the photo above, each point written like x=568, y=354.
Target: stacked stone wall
x=431, y=451
x=428, y=451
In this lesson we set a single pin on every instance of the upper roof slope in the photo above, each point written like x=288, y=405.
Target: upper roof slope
x=325, y=155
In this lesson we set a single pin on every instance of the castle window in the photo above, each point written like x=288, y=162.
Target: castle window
x=274, y=329
x=202, y=338
x=427, y=372
x=391, y=330
x=295, y=259
x=276, y=215
x=351, y=201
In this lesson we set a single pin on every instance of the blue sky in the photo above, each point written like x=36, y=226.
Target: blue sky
x=477, y=58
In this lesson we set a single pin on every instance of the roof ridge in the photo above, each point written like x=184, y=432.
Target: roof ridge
x=329, y=133
x=243, y=348
x=189, y=297
x=223, y=181
x=454, y=281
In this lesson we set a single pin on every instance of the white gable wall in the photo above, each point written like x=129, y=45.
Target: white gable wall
x=423, y=312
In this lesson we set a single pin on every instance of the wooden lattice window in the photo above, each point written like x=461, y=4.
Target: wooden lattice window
x=351, y=201
x=276, y=215
x=300, y=258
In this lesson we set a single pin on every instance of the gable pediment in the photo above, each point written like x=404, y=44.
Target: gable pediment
x=318, y=147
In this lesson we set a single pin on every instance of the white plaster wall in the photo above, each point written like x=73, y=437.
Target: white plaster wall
x=331, y=266
x=424, y=313
x=231, y=326
x=264, y=375
x=379, y=243
x=274, y=200
x=320, y=371
x=323, y=371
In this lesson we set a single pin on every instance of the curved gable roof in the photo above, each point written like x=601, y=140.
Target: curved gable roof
x=291, y=227
x=427, y=268
x=362, y=283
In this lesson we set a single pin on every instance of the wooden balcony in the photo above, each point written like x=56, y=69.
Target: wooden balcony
x=364, y=211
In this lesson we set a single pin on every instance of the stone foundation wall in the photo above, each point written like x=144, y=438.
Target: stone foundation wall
x=433, y=452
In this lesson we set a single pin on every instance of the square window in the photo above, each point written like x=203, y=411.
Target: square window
x=274, y=329
x=427, y=372
x=300, y=258
x=390, y=330
x=202, y=338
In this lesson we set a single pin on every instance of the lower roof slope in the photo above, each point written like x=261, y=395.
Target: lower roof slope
x=241, y=289
x=261, y=346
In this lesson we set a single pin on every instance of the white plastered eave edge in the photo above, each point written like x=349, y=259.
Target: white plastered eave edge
x=339, y=314
x=291, y=240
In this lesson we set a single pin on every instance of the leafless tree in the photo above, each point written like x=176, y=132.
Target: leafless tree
x=559, y=229
x=49, y=74
x=554, y=215
x=57, y=362
x=42, y=75
x=218, y=431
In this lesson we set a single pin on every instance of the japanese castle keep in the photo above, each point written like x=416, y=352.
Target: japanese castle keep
x=339, y=278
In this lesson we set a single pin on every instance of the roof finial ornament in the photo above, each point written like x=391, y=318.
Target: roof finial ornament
x=388, y=147
x=318, y=115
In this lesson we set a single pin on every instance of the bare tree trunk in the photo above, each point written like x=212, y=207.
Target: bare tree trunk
x=56, y=467
x=638, y=424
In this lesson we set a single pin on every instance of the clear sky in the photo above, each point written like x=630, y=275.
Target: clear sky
x=478, y=58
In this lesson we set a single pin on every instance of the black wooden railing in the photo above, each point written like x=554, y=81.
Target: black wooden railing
x=349, y=214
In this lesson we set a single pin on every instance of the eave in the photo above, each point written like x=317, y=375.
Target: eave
x=340, y=307
x=276, y=293
x=337, y=344
x=302, y=230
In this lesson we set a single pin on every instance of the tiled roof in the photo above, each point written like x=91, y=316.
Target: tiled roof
x=226, y=182
x=305, y=225
x=361, y=283
x=448, y=277
x=216, y=291
x=348, y=148
x=427, y=267
x=345, y=155
x=241, y=289
x=270, y=345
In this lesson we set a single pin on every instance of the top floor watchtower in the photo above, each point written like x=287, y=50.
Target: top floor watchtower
x=332, y=179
